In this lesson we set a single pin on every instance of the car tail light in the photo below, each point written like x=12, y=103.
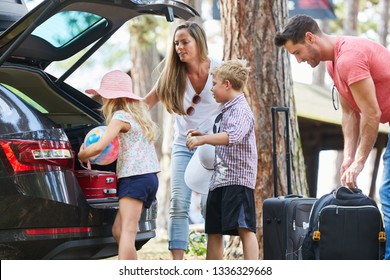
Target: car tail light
x=37, y=155
x=58, y=231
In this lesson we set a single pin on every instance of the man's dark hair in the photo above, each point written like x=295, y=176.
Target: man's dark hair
x=296, y=29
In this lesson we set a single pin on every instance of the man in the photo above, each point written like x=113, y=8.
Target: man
x=360, y=70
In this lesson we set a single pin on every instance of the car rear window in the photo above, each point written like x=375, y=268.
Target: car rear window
x=79, y=21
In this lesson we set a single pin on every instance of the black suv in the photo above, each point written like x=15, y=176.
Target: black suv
x=43, y=121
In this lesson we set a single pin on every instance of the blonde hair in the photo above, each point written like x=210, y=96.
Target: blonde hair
x=172, y=82
x=137, y=109
x=235, y=71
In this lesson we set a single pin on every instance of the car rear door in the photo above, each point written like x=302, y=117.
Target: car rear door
x=15, y=40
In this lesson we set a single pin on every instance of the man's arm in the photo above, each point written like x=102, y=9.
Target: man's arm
x=350, y=123
x=360, y=130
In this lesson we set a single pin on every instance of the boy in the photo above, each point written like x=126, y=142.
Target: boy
x=230, y=206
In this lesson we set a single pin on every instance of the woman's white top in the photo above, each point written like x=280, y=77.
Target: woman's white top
x=205, y=111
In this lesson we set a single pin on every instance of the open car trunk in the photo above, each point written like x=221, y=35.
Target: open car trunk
x=10, y=12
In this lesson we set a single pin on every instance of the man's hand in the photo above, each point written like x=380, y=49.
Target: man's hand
x=350, y=174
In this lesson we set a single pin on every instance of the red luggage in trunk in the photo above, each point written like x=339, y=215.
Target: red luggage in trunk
x=96, y=183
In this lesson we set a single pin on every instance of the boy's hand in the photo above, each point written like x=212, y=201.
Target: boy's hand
x=194, y=138
x=192, y=142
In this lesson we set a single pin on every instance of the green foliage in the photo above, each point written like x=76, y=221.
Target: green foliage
x=368, y=18
x=197, y=243
x=146, y=30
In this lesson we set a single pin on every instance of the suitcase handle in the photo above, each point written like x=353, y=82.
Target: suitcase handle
x=286, y=111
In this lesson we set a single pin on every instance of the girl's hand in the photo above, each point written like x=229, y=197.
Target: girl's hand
x=80, y=155
x=112, y=131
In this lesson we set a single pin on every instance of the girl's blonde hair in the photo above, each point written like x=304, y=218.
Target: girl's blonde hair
x=172, y=82
x=137, y=109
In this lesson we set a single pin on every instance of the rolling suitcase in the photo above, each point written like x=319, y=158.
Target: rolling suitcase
x=97, y=184
x=345, y=225
x=285, y=218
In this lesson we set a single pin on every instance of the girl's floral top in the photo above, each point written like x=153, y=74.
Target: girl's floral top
x=136, y=155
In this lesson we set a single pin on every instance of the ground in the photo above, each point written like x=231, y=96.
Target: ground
x=157, y=249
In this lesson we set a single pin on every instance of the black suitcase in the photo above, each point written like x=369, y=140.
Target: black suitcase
x=345, y=225
x=285, y=218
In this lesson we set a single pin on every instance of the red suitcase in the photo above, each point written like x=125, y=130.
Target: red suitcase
x=96, y=183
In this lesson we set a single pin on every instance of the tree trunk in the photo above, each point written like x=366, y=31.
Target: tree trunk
x=384, y=23
x=249, y=28
x=351, y=20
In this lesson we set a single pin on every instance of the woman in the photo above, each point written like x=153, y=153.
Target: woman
x=184, y=88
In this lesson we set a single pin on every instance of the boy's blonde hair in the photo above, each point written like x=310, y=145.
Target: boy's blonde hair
x=137, y=109
x=235, y=71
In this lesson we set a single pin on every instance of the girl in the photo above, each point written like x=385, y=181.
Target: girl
x=128, y=118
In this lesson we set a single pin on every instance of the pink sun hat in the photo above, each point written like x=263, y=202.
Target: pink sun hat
x=115, y=84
